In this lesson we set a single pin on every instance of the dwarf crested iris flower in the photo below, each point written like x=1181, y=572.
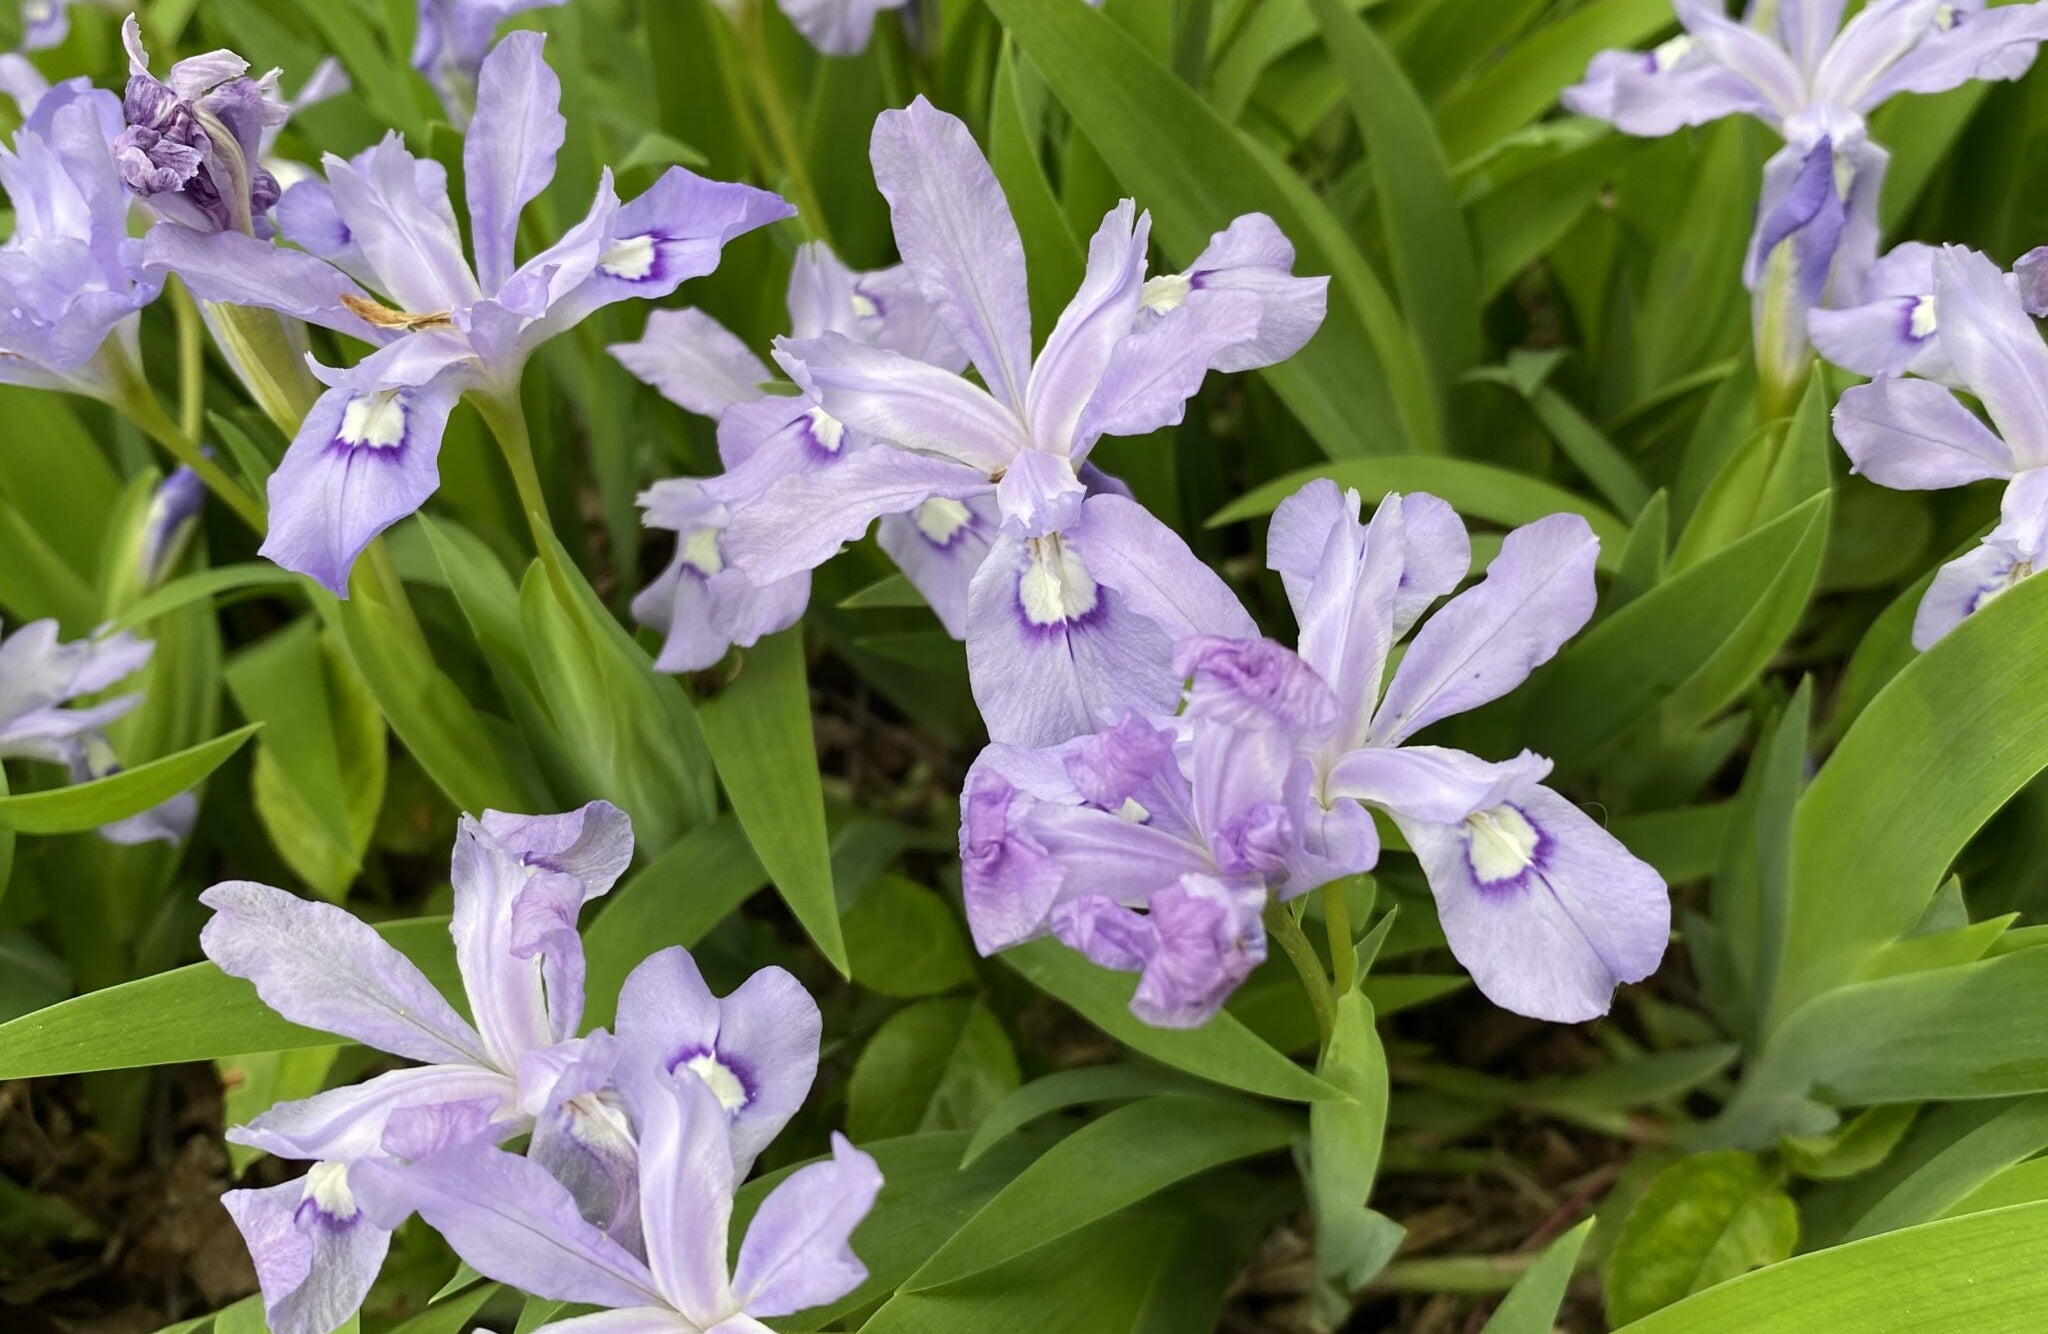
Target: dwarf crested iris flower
x=40, y=676
x=366, y=455
x=1797, y=67
x=520, y=882
x=1916, y=435
x=192, y=147
x=1261, y=784
x=703, y=603
x=1077, y=604
x=452, y=40
x=174, y=510
x=510, y=1220
x=69, y=287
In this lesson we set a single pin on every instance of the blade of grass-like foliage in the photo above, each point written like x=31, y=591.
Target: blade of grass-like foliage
x=1477, y=490
x=1531, y=1306
x=1427, y=242
x=759, y=730
x=83, y=806
x=1526, y=81
x=1126, y=1156
x=1359, y=385
x=1070, y=1088
x=1980, y=1273
x=1874, y=836
x=1222, y=1051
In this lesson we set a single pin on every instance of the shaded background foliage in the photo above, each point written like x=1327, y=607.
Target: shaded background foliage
x=1837, y=1077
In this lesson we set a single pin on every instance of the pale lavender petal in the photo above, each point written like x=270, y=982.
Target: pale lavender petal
x=1542, y=906
x=508, y=154
x=1800, y=209
x=645, y=1320
x=904, y=321
x=431, y=1128
x=1051, y=652
x=361, y=462
x=1252, y=684
x=397, y=212
x=1914, y=435
x=798, y=1251
x=904, y=402
x=1077, y=352
x=938, y=546
x=1931, y=48
x=1654, y=94
x=1996, y=348
x=1008, y=880
x=1431, y=783
x=1040, y=493
x=2010, y=553
x=1436, y=555
x=757, y=1049
x=2030, y=276
x=315, y=1254
x=1155, y=371
x=1251, y=255
x=588, y=1146
x=1538, y=592
x=318, y=966
x=510, y=1221
x=1807, y=28
x=1888, y=336
x=686, y=1185
x=1197, y=941
x=593, y=843
x=802, y=521
x=1346, y=611
x=954, y=230
x=1300, y=532
x=346, y=1124
x=243, y=271
x=1153, y=573
x=1741, y=48
x=308, y=218
x=837, y=27
x=695, y=361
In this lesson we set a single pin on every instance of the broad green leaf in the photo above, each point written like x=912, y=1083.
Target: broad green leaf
x=1515, y=223
x=1353, y=1240
x=2022, y=1183
x=454, y=1315
x=1053, y=257
x=759, y=730
x=1596, y=457
x=1525, y=82
x=1531, y=1306
x=1429, y=249
x=1635, y=1081
x=1749, y=896
x=320, y=763
x=1477, y=490
x=1683, y=844
x=1946, y=1166
x=903, y=940
x=208, y=585
x=1222, y=1051
x=1626, y=667
x=676, y=899
x=1704, y=1220
x=1977, y=1273
x=1770, y=474
x=83, y=806
x=31, y=974
x=195, y=1013
x=1360, y=379
x=935, y=1065
x=1873, y=837
x=1127, y=1155
x=1063, y=1089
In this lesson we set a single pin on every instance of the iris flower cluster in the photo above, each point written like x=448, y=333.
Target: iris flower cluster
x=634, y=1141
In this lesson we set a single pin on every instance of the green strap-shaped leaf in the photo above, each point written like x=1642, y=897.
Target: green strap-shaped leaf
x=1981, y=1273
x=1478, y=490
x=1222, y=1051
x=759, y=729
x=205, y=585
x=1427, y=241
x=1126, y=1156
x=1359, y=385
x=83, y=806
x=1704, y=1220
x=1873, y=838
x=1531, y=1306
x=1071, y=1088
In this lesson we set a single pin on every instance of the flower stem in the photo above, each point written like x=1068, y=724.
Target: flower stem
x=1280, y=922
x=753, y=38
x=137, y=401
x=506, y=419
x=1337, y=918
x=191, y=361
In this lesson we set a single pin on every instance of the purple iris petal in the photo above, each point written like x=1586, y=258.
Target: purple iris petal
x=452, y=40
x=2011, y=552
x=837, y=27
x=193, y=144
x=316, y=1255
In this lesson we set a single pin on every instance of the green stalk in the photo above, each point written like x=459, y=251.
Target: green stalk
x=137, y=401
x=753, y=37
x=268, y=358
x=191, y=361
x=506, y=419
x=1284, y=929
x=1337, y=918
